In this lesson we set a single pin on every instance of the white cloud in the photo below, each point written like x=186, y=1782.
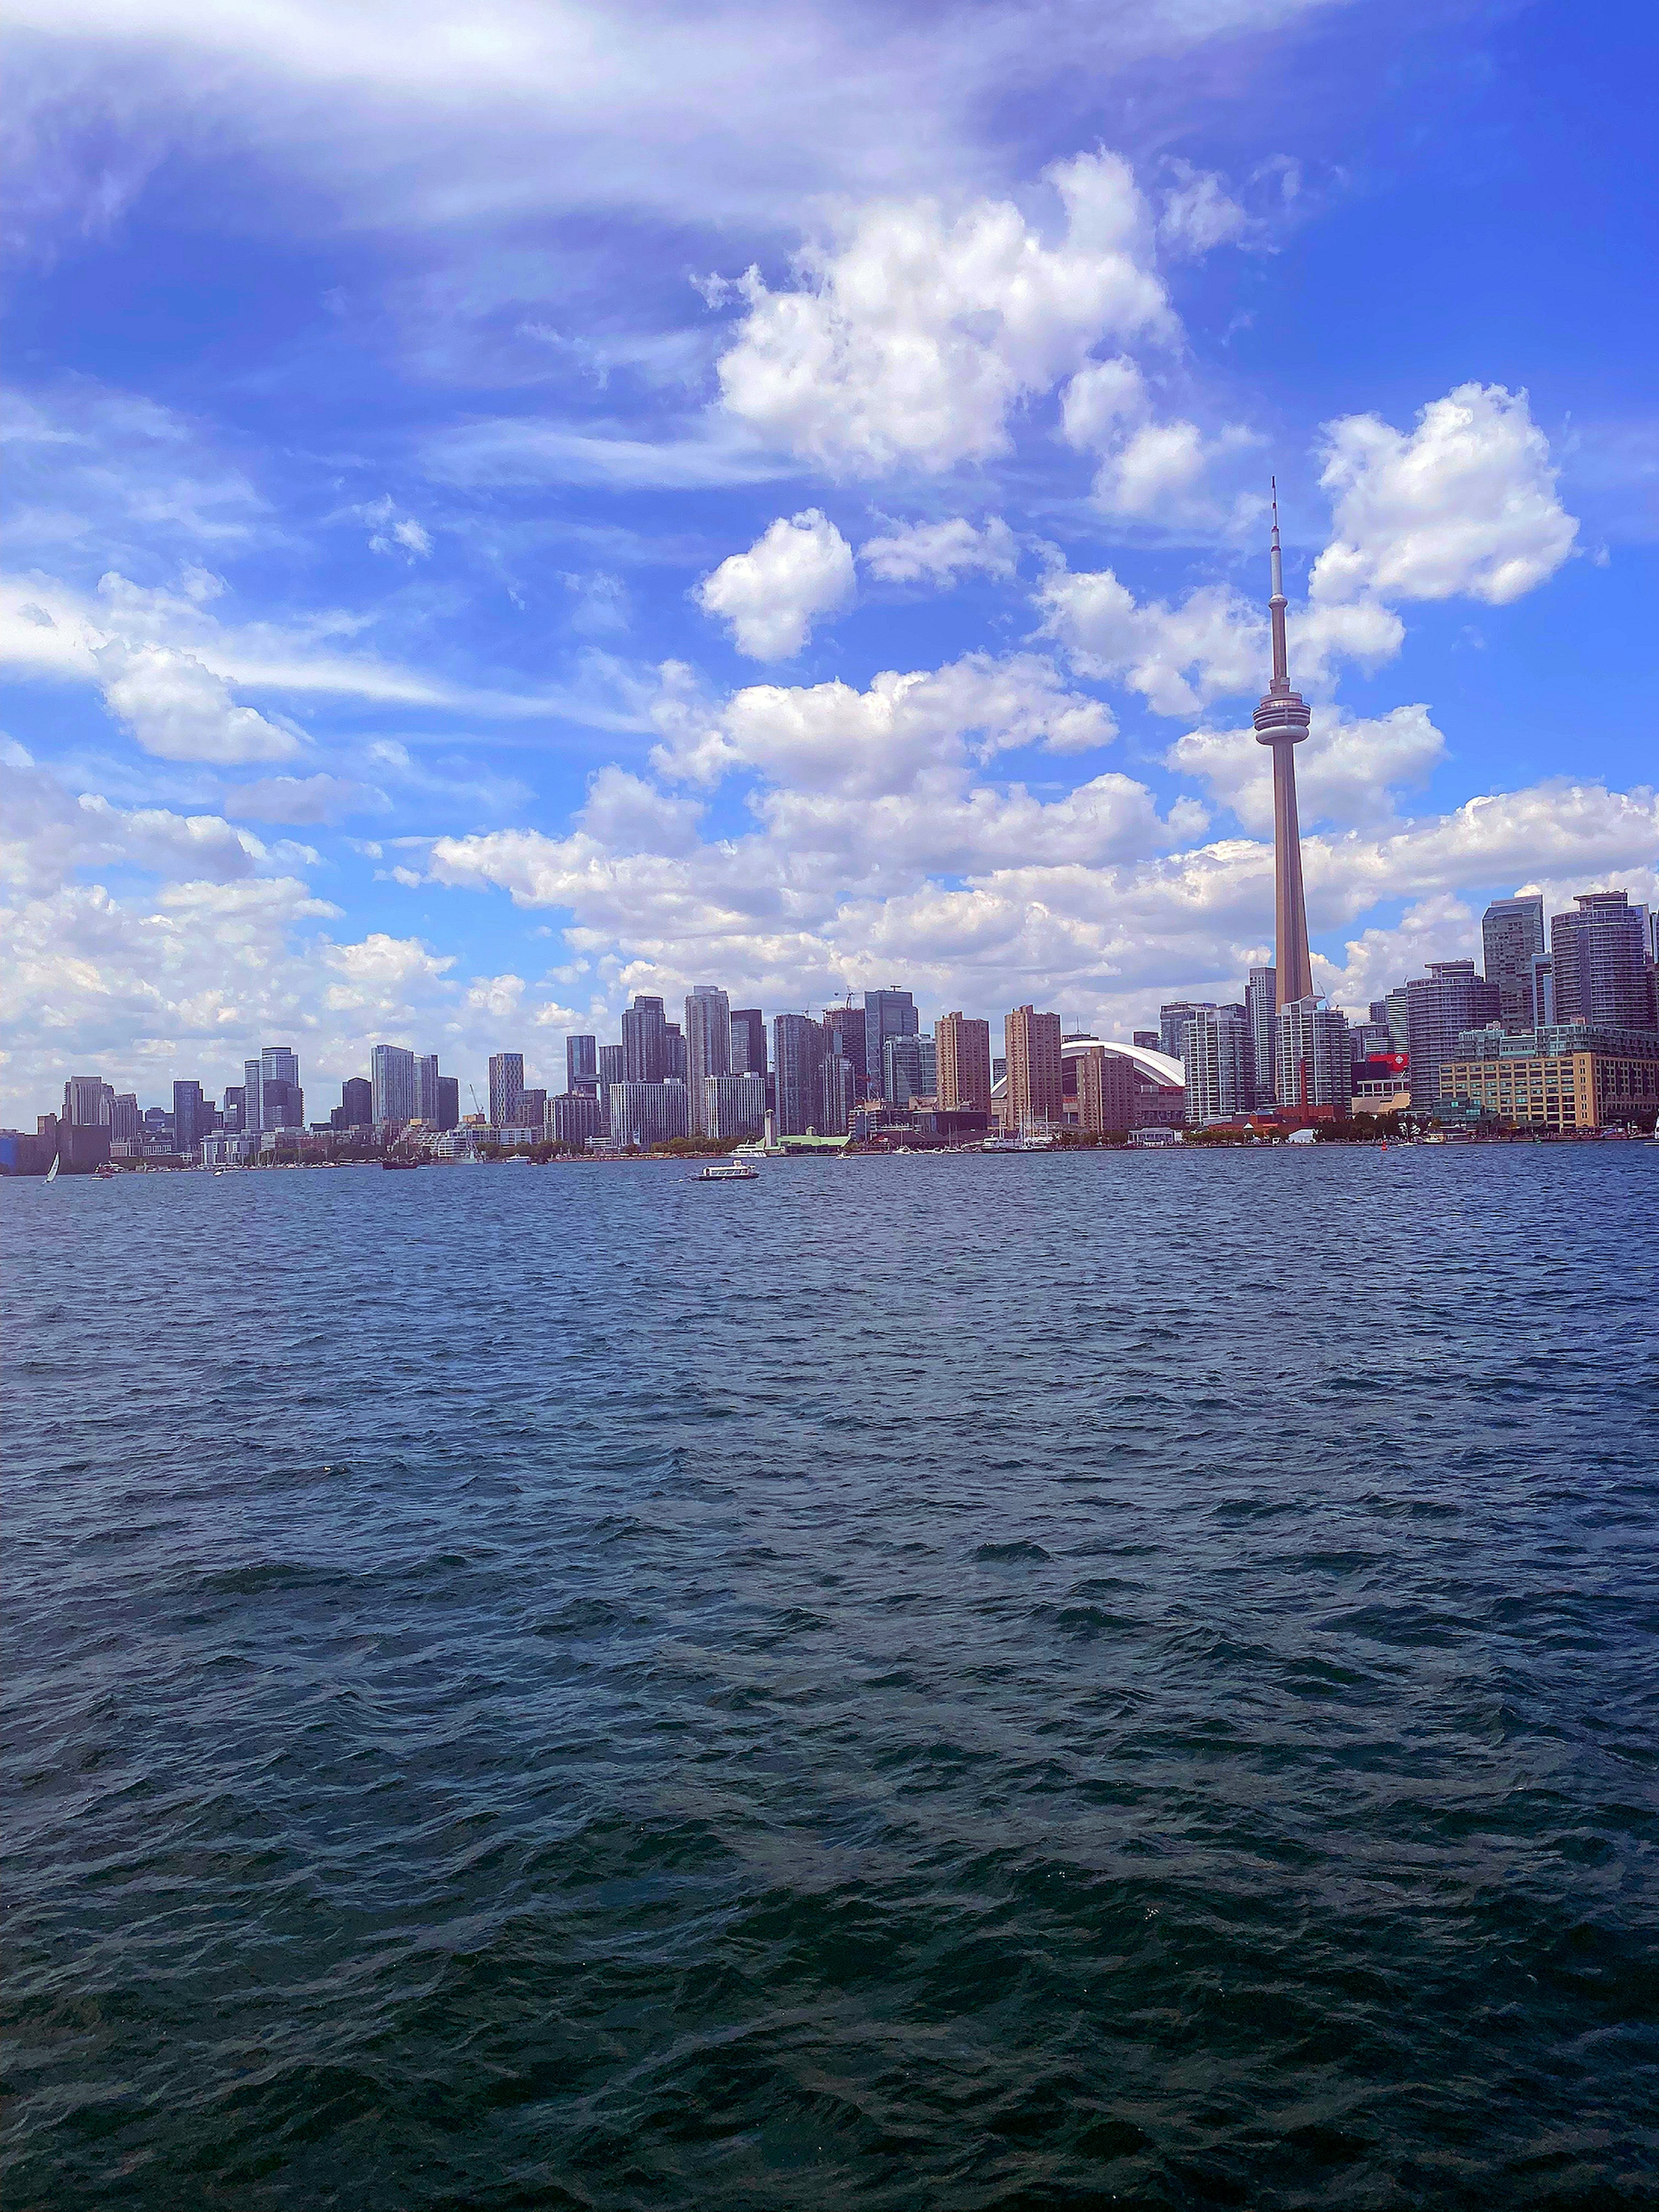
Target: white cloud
x=797, y=572
x=311, y=799
x=1101, y=401
x=395, y=533
x=1198, y=215
x=1149, y=470
x=913, y=340
x=830, y=737
x=1346, y=772
x=940, y=552
x=1466, y=504
x=178, y=709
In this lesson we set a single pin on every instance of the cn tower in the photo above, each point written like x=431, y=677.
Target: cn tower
x=1281, y=721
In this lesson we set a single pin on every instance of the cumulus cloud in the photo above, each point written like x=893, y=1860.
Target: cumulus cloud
x=941, y=552
x=177, y=708
x=799, y=571
x=1149, y=470
x=914, y=338
x=1466, y=504
x=1346, y=772
x=1198, y=214
x=833, y=737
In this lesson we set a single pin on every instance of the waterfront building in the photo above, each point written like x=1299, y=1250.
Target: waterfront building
x=645, y=1042
x=798, y=1057
x=356, y=1102
x=192, y=1119
x=844, y=1028
x=576, y=1116
x=505, y=1089
x=1599, y=957
x=707, y=1046
x=253, y=1086
x=927, y=1055
x=612, y=1062
x=748, y=1040
x=1569, y=1076
x=1281, y=722
x=673, y=1053
x=1511, y=938
x=392, y=1083
x=1313, y=1063
x=88, y=1102
x=733, y=1106
x=1172, y=1020
x=582, y=1063
x=1035, y=1094
x=962, y=1046
x=1105, y=1091
x=1261, y=1010
x=124, y=1120
x=1439, y=1006
x=1218, y=1057
x=901, y=1071
x=1396, y=1013
x=449, y=1102
x=837, y=1095
x=887, y=1013
x=426, y=1088
x=646, y=1114
x=533, y=1110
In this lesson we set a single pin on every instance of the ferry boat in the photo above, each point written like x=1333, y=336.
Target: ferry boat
x=727, y=1171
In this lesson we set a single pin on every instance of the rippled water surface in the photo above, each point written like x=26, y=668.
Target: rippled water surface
x=978, y=1682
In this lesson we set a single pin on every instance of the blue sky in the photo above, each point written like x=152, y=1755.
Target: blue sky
x=509, y=508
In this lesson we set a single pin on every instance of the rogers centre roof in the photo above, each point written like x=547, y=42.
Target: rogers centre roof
x=1154, y=1067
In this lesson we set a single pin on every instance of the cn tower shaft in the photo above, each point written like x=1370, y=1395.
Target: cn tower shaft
x=1281, y=721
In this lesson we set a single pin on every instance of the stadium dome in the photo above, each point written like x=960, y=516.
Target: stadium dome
x=1150, y=1067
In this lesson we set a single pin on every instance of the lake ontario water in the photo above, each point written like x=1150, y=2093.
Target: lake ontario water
x=958, y=1682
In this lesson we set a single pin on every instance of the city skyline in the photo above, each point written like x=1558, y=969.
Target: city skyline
x=501, y=623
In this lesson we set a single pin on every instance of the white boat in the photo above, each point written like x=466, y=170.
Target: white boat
x=52, y=1172
x=727, y=1171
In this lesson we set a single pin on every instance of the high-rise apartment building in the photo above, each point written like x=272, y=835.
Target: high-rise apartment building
x=646, y=1114
x=1035, y=1094
x=837, y=1101
x=612, y=1062
x=1105, y=1091
x=124, y=1119
x=576, y=1116
x=582, y=1063
x=1172, y=1020
x=707, y=1046
x=1261, y=1008
x=252, y=1090
x=902, y=1076
x=88, y=1102
x=1439, y=1006
x=797, y=1055
x=733, y=1106
x=533, y=1109
x=356, y=1102
x=1511, y=936
x=645, y=1042
x=506, y=1090
x=1312, y=1061
x=748, y=1040
x=963, y=1048
x=887, y=1013
x=844, y=1026
x=191, y=1119
x=1599, y=957
x=392, y=1082
x=426, y=1088
x=1218, y=1057
x=449, y=1104
x=673, y=1041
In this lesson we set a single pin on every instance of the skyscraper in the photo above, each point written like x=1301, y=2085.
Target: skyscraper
x=1281, y=721
x=356, y=1102
x=645, y=1042
x=1313, y=1060
x=964, y=1047
x=124, y=1120
x=673, y=1053
x=1217, y=1057
x=449, y=1103
x=734, y=1106
x=533, y=1108
x=1261, y=1005
x=646, y=1113
x=887, y=1013
x=190, y=1119
x=1034, y=1093
x=1439, y=1006
x=507, y=1088
x=252, y=1088
x=844, y=1025
x=902, y=1077
x=581, y=1064
x=835, y=1104
x=1511, y=936
x=1601, y=965
x=426, y=1088
x=797, y=1055
x=392, y=1082
x=88, y=1102
x=748, y=1040
x=1105, y=1091
x=707, y=1046
x=282, y=1102
x=1172, y=1019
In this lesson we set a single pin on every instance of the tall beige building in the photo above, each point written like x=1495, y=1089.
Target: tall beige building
x=1035, y=1091
x=964, y=1064
x=1105, y=1091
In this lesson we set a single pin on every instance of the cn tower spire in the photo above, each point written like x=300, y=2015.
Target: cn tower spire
x=1281, y=721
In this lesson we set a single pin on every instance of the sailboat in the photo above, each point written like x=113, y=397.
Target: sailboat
x=52, y=1172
